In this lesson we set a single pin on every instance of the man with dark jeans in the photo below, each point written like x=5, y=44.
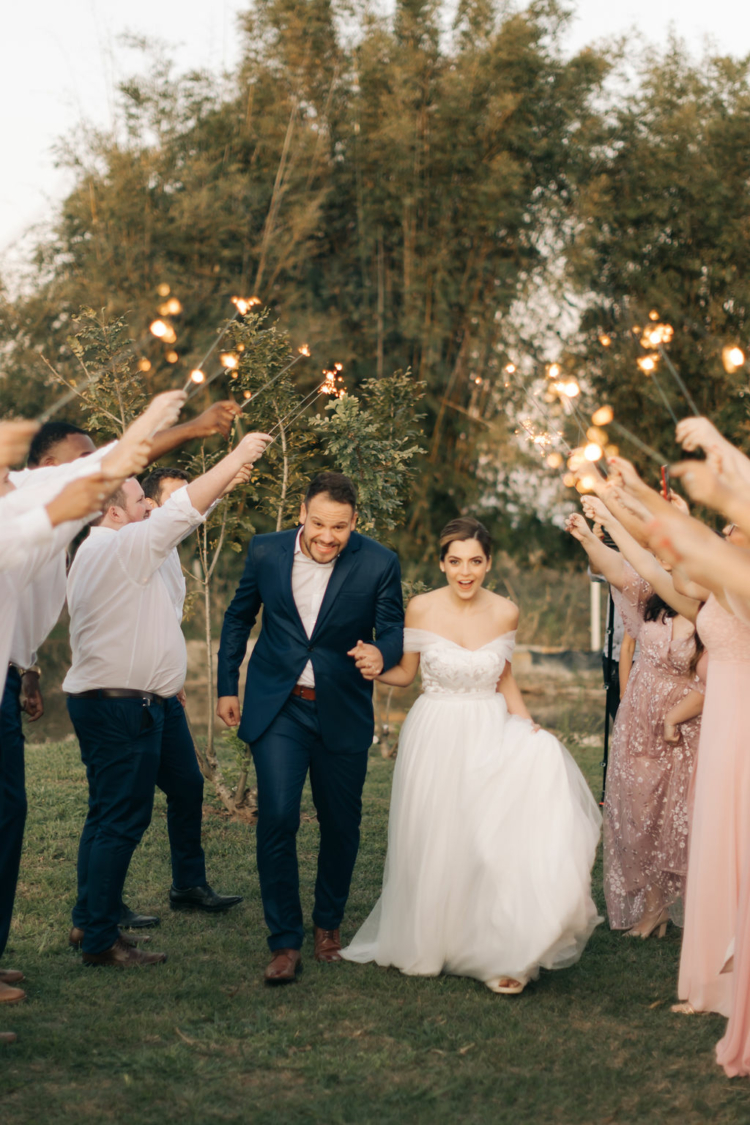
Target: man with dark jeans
x=129, y=664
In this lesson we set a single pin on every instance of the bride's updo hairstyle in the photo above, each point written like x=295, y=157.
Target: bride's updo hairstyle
x=461, y=529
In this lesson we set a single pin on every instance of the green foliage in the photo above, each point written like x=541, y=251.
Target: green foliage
x=374, y=439
x=109, y=385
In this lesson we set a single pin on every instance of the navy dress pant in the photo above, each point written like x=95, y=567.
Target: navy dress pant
x=120, y=742
x=290, y=747
x=181, y=780
x=12, y=799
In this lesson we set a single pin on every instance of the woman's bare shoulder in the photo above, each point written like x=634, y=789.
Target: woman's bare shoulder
x=504, y=611
x=421, y=606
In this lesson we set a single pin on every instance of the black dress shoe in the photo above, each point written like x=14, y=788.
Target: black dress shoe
x=201, y=898
x=129, y=920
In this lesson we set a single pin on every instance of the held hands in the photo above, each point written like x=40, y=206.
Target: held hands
x=368, y=659
x=228, y=710
x=595, y=509
x=15, y=439
x=622, y=473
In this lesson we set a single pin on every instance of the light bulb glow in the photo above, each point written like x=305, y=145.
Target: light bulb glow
x=603, y=416
x=510, y=369
x=647, y=363
x=171, y=356
x=593, y=451
x=733, y=358
x=553, y=371
x=159, y=329
x=163, y=290
x=144, y=364
x=605, y=340
x=197, y=376
x=228, y=360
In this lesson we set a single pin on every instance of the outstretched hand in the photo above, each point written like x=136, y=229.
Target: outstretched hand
x=368, y=659
x=15, y=439
x=576, y=526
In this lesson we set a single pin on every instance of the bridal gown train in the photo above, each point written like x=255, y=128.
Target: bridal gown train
x=492, y=832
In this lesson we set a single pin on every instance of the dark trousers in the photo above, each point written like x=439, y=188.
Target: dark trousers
x=611, y=674
x=290, y=747
x=12, y=799
x=120, y=742
x=180, y=778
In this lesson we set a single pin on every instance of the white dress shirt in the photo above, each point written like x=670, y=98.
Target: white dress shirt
x=24, y=523
x=309, y=584
x=125, y=626
x=14, y=582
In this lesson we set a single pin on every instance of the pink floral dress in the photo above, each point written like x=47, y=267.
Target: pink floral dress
x=646, y=802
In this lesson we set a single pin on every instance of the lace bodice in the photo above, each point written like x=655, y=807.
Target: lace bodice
x=450, y=669
x=726, y=637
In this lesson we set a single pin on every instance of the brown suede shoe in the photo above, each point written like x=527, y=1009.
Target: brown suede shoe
x=75, y=938
x=123, y=955
x=283, y=966
x=10, y=995
x=327, y=945
x=8, y=1037
x=11, y=976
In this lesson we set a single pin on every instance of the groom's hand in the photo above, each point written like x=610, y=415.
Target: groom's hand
x=368, y=659
x=228, y=710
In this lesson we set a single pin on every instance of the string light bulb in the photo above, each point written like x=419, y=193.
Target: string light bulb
x=228, y=360
x=603, y=416
x=554, y=460
x=159, y=329
x=653, y=315
x=144, y=364
x=172, y=307
x=163, y=290
x=510, y=369
x=171, y=356
x=593, y=451
x=733, y=358
x=605, y=340
x=197, y=376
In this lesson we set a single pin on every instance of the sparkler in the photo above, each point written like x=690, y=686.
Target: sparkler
x=327, y=387
x=243, y=306
x=304, y=352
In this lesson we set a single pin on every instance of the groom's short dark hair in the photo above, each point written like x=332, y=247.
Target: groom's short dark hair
x=339, y=487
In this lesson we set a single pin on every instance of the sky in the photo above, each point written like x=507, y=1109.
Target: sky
x=62, y=61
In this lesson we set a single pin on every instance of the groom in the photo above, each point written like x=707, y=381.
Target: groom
x=323, y=588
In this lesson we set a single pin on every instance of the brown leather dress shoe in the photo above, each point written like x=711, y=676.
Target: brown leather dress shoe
x=327, y=945
x=123, y=955
x=75, y=938
x=11, y=995
x=283, y=966
x=8, y=1037
x=11, y=976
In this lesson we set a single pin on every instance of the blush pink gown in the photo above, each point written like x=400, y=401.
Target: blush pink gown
x=646, y=804
x=720, y=829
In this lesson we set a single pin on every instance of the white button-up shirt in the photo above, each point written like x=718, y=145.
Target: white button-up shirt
x=41, y=601
x=309, y=584
x=125, y=623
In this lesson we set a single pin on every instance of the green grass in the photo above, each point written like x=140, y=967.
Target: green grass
x=200, y=1039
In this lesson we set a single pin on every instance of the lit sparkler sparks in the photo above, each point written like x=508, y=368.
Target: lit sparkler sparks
x=303, y=353
x=327, y=387
x=733, y=358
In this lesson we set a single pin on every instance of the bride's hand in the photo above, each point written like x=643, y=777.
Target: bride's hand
x=368, y=659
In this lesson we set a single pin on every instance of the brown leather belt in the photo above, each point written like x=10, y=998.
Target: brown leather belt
x=303, y=692
x=147, y=697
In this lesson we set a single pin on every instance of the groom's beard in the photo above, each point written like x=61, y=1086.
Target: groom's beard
x=318, y=555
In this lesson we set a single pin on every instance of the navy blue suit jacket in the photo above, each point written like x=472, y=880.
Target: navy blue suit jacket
x=363, y=596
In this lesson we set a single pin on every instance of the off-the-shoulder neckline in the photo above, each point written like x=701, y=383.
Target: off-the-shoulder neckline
x=440, y=637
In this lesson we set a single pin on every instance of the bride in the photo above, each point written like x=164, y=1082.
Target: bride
x=493, y=829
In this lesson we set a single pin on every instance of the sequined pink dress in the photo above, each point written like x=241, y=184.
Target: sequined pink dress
x=720, y=829
x=646, y=817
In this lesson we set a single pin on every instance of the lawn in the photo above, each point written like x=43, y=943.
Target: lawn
x=201, y=1039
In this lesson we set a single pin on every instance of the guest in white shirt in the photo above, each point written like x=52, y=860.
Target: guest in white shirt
x=129, y=658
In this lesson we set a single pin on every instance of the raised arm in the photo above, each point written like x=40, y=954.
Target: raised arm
x=217, y=419
x=641, y=559
x=603, y=559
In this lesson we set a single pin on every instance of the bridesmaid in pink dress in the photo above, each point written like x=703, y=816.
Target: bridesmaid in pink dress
x=646, y=822
x=720, y=829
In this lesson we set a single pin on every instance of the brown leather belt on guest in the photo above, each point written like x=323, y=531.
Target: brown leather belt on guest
x=303, y=692
x=148, y=697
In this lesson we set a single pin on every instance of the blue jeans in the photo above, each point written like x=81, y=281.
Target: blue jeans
x=12, y=799
x=120, y=742
x=290, y=747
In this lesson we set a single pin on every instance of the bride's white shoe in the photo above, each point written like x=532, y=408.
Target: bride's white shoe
x=512, y=986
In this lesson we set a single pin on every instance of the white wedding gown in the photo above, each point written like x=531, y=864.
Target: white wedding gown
x=492, y=832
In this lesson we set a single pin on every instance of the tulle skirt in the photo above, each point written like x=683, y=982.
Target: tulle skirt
x=491, y=839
